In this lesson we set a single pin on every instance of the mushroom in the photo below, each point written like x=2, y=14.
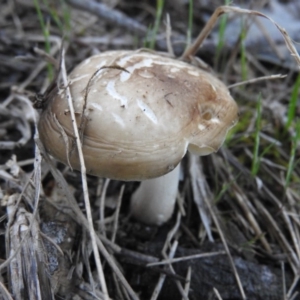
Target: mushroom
x=139, y=113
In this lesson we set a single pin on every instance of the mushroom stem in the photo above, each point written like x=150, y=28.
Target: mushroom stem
x=154, y=201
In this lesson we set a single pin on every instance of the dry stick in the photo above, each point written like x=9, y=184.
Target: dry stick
x=168, y=36
x=81, y=219
x=118, y=293
x=199, y=193
x=112, y=15
x=37, y=69
x=254, y=80
x=293, y=234
x=188, y=281
x=4, y=292
x=37, y=182
x=162, y=277
x=289, y=220
x=283, y=280
x=117, y=213
x=294, y=260
x=294, y=296
x=216, y=221
x=292, y=257
x=37, y=190
x=243, y=202
x=292, y=287
x=85, y=255
x=47, y=57
x=102, y=206
x=188, y=257
x=6, y=262
x=170, y=236
x=217, y=293
x=269, y=38
x=191, y=51
x=84, y=180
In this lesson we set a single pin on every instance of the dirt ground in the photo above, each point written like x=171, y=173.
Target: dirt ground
x=235, y=232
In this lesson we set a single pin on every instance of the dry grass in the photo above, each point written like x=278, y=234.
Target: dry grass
x=66, y=235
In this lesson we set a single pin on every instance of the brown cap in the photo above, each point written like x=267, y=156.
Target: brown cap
x=143, y=111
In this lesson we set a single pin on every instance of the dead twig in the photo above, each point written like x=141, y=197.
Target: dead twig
x=111, y=15
x=191, y=51
x=257, y=79
x=183, y=258
x=84, y=181
x=81, y=219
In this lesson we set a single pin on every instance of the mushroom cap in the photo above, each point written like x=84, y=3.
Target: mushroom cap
x=142, y=111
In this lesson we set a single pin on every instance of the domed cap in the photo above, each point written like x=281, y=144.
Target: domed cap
x=142, y=112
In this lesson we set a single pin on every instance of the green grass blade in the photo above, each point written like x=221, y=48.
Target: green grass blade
x=293, y=103
x=46, y=34
x=190, y=23
x=159, y=10
x=256, y=159
x=221, y=33
x=292, y=163
x=244, y=68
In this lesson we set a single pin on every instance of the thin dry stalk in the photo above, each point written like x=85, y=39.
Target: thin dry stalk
x=257, y=79
x=117, y=286
x=168, y=36
x=292, y=293
x=183, y=258
x=112, y=15
x=217, y=294
x=47, y=57
x=86, y=252
x=283, y=280
x=268, y=38
x=4, y=292
x=117, y=213
x=207, y=203
x=24, y=242
x=236, y=275
x=244, y=203
x=291, y=255
x=81, y=219
x=162, y=277
x=84, y=180
x=191, y=51
x=292, y=288
x=200, y=192
x=34, y=195
x=294, y=259
x=102, y=207
x=188, y=281
x=36, y=71
x=180, y=203
x=171, y=234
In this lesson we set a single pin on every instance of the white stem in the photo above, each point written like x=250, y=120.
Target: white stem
x=154, y=200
